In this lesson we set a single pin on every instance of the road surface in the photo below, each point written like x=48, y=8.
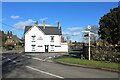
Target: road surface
x=21, y=65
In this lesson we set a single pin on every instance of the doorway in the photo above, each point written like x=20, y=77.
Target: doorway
x=46, y=48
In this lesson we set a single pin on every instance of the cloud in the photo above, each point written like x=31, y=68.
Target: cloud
x=43, y=19
x=21, y=25
x=15, y=17
x=76, y=33
x=74, y=28
x=65, y=33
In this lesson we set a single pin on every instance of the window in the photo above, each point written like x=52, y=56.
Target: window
x=33, y=38
x=52, y=38
x=52, y=50
x=33, y=47
x=40, y=38
x=39, y=46
x=33, y=50
x=52, y=46
x=57, y=46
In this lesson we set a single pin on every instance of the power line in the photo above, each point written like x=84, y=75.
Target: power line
x=7, y=24
x=10, y=26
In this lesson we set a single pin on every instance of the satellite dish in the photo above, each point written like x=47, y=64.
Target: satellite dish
x=89, y=27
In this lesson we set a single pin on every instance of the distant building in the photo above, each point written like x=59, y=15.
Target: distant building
x=3, y=38
x=44, y=39
x=10, y=40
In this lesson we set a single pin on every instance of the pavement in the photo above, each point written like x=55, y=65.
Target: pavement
x=40, y=65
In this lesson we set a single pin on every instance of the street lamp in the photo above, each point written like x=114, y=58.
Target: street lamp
x=89, y=33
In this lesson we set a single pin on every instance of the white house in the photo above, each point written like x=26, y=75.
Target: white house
x=44, y=39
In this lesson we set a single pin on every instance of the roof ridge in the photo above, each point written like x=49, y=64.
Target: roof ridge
x=49, y=30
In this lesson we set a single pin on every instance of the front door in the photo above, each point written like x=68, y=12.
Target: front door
x=46, y=48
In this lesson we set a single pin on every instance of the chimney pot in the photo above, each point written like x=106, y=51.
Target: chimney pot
x=44, y=24
x=36, y=23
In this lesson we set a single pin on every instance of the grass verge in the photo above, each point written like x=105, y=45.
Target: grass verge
x=92, y=63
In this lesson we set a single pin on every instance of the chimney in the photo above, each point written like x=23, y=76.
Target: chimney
x=44, y=24
x=10, y=33
x=36, y=23
x=58, y=25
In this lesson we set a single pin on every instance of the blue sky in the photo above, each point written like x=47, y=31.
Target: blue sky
x=73, y=16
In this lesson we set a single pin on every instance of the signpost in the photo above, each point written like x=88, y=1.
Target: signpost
x=89, y=34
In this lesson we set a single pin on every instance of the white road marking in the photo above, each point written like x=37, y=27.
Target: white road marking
x=37, y=59
x=44, y=72
x=38, y=69
x=20, y=51
x=11, y=60
x=14, y=61
x=28, y=57
x=32, y=54
x=46, y=59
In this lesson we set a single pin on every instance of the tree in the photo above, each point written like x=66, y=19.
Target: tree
x=19, y=43
x=109, y=29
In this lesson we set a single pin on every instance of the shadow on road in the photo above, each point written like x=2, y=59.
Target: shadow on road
x=11, y=61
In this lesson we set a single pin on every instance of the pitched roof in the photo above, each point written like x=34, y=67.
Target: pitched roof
x=49, y=30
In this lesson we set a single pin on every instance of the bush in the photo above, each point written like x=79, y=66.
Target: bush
x=105, y=54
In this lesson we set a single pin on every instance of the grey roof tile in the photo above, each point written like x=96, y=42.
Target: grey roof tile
x=49, y=30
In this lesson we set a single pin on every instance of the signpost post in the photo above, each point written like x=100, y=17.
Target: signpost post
x=89, y=34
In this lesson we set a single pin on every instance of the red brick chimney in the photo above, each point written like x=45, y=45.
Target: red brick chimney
x=62, y=39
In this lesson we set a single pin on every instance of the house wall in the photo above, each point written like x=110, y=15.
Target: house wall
x=41, y=40
x=63, y=47
x=37, y=42
x=49, y=42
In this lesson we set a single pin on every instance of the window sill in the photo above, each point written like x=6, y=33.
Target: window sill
x=33, y=41
x=51, y=41
x=33, y=50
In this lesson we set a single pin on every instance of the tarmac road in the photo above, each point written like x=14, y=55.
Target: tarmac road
x=40, y=66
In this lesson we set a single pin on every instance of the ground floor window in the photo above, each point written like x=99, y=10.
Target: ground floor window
x=57, y=46
x=33, y=47
x=52, y=46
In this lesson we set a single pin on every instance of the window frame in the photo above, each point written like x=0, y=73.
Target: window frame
x=33, y=38
x=52, y=38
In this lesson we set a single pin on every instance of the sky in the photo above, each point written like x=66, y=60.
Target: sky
x=73, y=16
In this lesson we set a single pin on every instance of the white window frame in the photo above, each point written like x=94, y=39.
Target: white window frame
x=52, y=46
x=33, y=38
x=52, y=38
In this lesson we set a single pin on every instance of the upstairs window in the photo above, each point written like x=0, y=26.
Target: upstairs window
x=33, y=38
x=52, y=38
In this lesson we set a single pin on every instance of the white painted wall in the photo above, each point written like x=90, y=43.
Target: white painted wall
x=41, y=40
x=28, y=40
x=48, y=40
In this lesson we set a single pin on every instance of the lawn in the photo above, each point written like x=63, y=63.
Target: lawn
x=96, y=64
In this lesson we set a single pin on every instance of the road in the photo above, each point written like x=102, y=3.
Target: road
x=21, y=65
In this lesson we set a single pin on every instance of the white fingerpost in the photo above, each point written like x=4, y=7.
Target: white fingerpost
x=89, y=27
x=89, y=46
x=89, y=33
